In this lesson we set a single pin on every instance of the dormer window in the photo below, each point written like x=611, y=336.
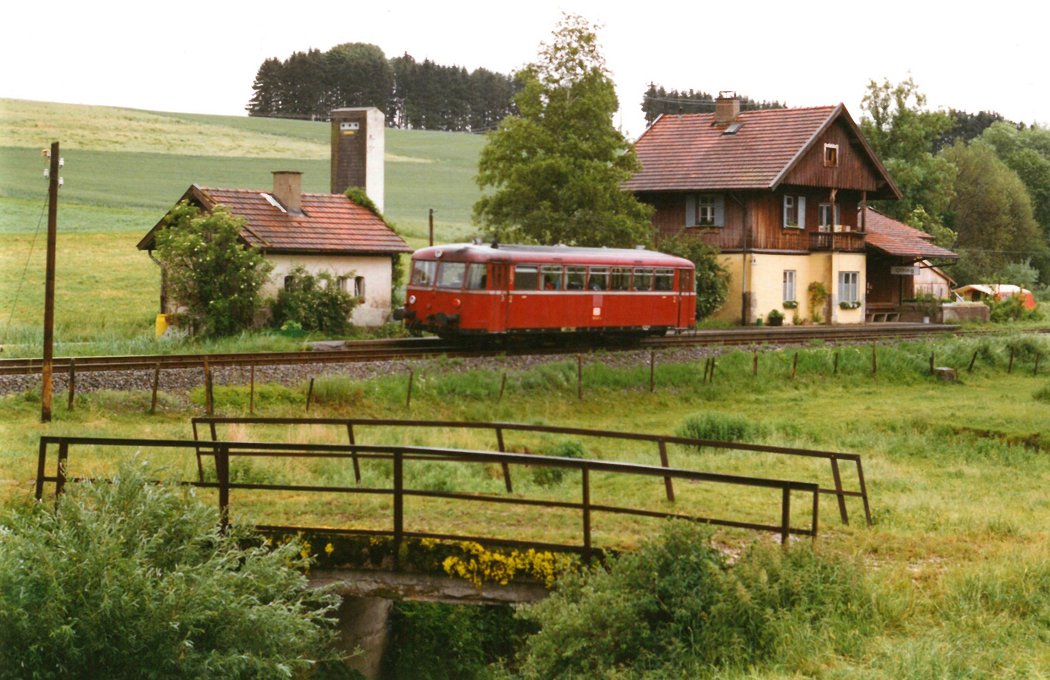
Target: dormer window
x=831, y=155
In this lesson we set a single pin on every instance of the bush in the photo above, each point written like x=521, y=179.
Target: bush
x=676, y=608
x=552, y=476
x=1011, y=309
x=719, y=427
x=313, y=301
x=210, y=272
x=712, y=279
x=134, y=579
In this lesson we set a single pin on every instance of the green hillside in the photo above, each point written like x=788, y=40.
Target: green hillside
x=124, y=168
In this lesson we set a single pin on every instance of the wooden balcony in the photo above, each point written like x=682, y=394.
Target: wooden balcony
x=842, y=241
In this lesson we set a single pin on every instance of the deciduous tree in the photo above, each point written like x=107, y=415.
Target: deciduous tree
x=553, y=171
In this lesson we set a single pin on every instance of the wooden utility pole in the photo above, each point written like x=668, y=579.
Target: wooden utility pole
x=431, y=221
x=49, y=286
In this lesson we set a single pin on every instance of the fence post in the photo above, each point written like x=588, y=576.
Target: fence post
x=399, y=505
x=502, y=387
x=794, y=366
x=309, y=395
x=933, y=361
x=579, y=376
x=754, y=362
x=713, y=364
x=408, y=395
x=222, y=474
x=838, y=490
x=972, y=360
x=156, y=387
x=251, y=392
x=652, y=370
x=668, y=485
x=586, y=507
x=353, y=452
x=835, y=369
x=60, y=471
x=41, y=464
x=874, y=359
x=506, y=466
x=785, y=516
x=1035, y=371
x=72, y=383
x=209, y=397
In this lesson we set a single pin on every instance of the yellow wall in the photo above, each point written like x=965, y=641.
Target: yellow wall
x=765, y=275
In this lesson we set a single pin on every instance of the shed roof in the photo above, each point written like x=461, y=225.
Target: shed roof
x=328, y=223
x=690, y=153
x=896, y=238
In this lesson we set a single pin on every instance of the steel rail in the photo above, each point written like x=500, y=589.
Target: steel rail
x=415, y=348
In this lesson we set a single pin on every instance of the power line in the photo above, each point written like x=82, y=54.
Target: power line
x=22, y=280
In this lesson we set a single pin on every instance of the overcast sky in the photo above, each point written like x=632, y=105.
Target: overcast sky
x=201, y=57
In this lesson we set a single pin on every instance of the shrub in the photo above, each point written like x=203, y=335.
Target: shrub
x=210, y=272
x=676, y=608
x=719, y=427
x=552, y=476
x=314, y=301
x=712, y=279
x=134, y=579
x=1010, y=309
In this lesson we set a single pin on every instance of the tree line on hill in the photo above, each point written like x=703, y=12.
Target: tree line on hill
x=658, y=101
x=413, y=95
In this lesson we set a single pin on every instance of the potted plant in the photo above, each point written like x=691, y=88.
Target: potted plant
x=775, y=318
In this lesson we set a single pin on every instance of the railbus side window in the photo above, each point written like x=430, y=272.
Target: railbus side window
x=575, y=278
x=552, y=277
x=598, y=279
x=477, y=276
x=526, y=277
x=450, y=274
x=663, y=279
x=423, y=272
x=643, y=279
x=620, y=278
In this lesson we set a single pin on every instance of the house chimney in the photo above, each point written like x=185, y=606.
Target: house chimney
x=727, y=107
x=288, y=190
x=357, y=151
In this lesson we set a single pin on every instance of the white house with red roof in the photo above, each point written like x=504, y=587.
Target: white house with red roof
x=320, y=232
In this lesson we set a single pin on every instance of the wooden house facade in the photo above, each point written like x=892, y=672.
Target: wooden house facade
x=780, y=192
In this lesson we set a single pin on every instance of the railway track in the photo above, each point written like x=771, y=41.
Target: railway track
x=416, y=348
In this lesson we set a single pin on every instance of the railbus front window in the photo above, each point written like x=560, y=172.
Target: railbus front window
x=477, y=276
x=423, y=272
x=685, y=280
x=552, y=277
x=643, y=279
x=526, y=277
x=620, y=278
x=450, y=274
x=575, y=278
x=663, y=279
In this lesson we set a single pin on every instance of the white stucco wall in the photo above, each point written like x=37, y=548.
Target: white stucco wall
x=373, y=311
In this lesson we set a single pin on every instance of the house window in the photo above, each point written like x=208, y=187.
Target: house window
x=828, y=216
x=705, y=210
x=795, y=212
x=289, y=283
x=343, y=283
x=848, y=287
x=359, y=287
x=789, y=285
x=831, y=155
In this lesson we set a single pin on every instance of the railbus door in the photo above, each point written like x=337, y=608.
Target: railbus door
x=500, y=283
x=686, y=298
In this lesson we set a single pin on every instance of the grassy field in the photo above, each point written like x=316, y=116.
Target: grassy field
x=124, y=168
x=959, y=555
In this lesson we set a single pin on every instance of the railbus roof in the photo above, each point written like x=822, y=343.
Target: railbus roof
x=471, y=252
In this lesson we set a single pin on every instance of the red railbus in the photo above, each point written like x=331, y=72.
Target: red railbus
x=469, y=289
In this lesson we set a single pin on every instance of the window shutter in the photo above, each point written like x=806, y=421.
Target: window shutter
x=784, y=211
x=837, y=218
x=801, y=212
x=690, y=210
x=720, y=210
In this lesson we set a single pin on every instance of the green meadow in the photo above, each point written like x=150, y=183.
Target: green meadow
x=956, y=567
x=124, y=168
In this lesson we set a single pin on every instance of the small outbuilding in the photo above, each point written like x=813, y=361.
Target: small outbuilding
x=983, y=292
x=320, y=232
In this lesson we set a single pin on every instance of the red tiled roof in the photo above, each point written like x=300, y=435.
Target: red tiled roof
x=329, y=223
x=689, y=153
x=896, y=238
